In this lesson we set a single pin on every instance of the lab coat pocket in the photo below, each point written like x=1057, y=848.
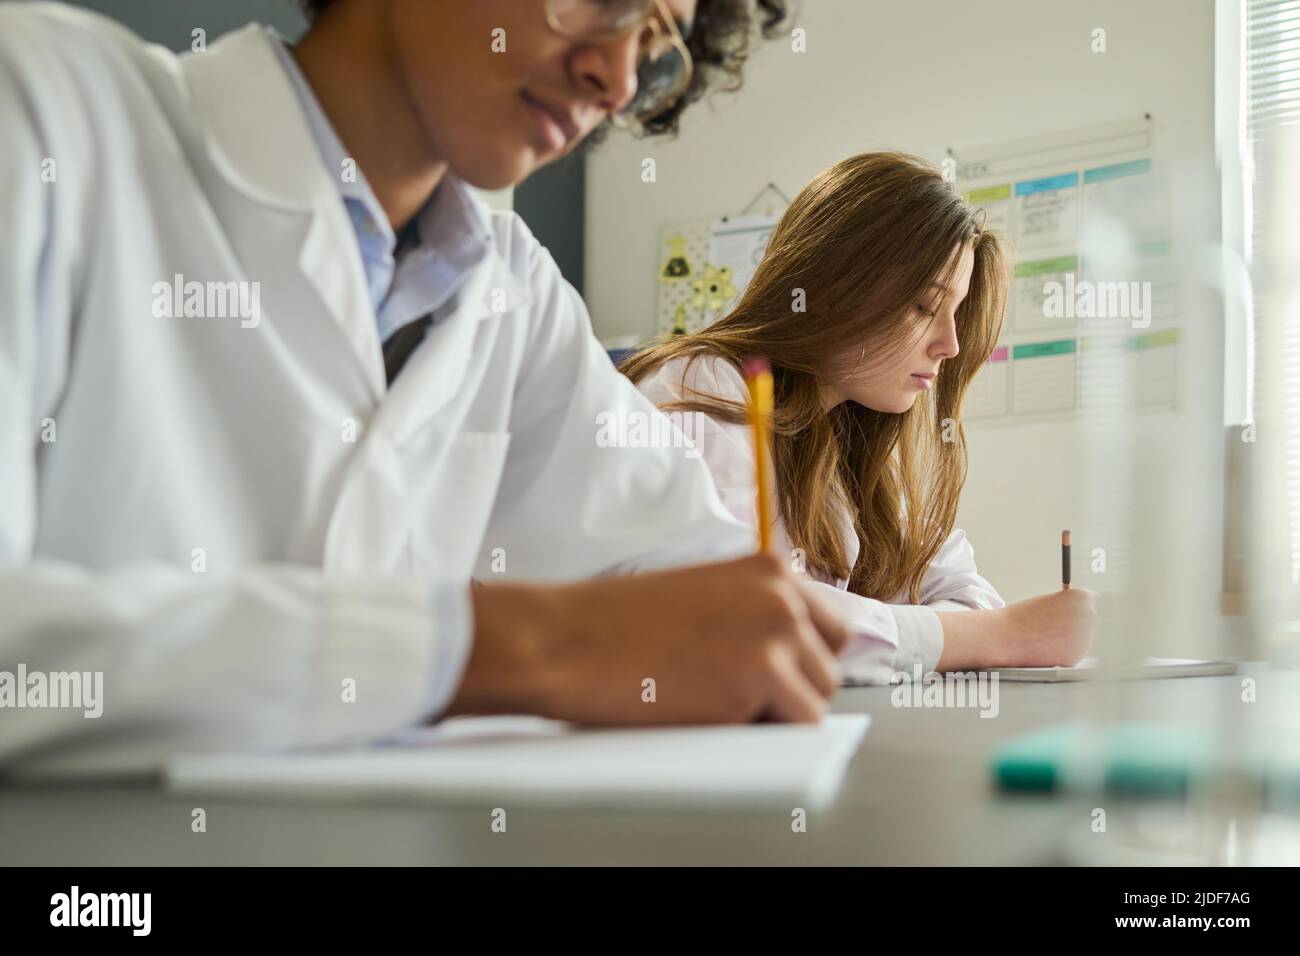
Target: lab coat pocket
x=455, y=504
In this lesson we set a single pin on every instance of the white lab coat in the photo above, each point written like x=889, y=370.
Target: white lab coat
x=887, y=637
x=200, y=529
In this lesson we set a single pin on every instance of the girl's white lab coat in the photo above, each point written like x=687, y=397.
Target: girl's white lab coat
x=888, y=637
x=255, y=541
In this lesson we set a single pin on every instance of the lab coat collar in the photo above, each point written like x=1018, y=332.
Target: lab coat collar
x=454, y=224
x=259, y=141
x=266, y=148
x=255, y=127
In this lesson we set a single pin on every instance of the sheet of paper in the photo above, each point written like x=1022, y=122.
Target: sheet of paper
x=1033, y=308
x=1090, y=669
x=1043, y=376
x=738, y=243
x=989, y=392
x=1047, y=212
x=540, y=762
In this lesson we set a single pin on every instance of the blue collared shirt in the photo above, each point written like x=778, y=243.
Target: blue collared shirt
x=412, y=275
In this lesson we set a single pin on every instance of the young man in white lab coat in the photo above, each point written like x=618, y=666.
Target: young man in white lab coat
x=221, y=505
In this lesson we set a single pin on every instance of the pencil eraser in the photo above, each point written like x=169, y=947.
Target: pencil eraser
x=756, y=365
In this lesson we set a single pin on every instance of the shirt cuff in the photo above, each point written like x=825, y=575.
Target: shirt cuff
x=920, y=638
x=947, y=604
x=453, y=621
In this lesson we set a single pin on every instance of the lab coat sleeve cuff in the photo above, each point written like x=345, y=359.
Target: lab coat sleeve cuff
x=453, y=616
x=920, y=638
x=380, y=641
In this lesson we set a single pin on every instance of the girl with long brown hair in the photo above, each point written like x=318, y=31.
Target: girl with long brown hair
x=879, y=298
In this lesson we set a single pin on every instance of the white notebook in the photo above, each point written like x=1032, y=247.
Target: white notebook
x=527, y=760
x=1090, y=669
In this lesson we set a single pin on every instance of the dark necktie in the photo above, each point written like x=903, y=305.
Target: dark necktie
x=402, y=343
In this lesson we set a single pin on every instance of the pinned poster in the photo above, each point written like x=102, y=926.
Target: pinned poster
x=703, y=268
x=738, y=243
x=1085, y=216
x=683, y=257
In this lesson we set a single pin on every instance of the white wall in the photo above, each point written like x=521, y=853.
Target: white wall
x=918, y=75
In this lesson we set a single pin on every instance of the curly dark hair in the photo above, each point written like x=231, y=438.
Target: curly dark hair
x=719, y=44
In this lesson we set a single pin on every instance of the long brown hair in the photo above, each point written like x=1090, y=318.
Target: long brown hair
x=858, y=248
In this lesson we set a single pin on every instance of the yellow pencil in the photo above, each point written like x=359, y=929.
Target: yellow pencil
x=758, y=375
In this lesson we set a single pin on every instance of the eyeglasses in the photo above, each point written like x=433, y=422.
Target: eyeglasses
x=664, y=65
